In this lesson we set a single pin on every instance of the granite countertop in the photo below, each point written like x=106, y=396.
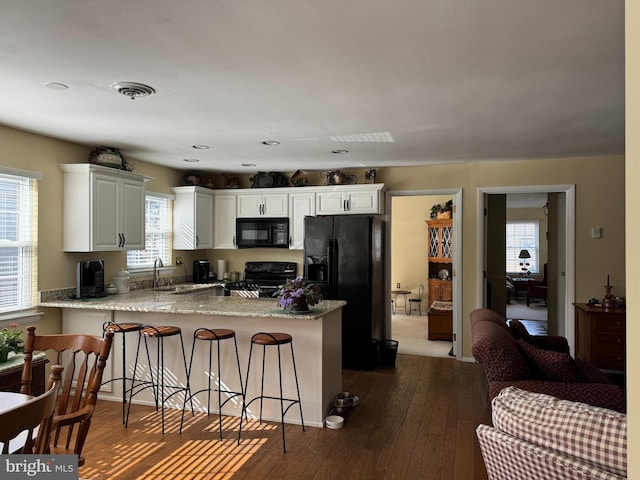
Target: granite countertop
x=203, y=301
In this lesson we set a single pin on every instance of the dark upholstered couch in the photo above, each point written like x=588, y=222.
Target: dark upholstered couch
x=512, y=357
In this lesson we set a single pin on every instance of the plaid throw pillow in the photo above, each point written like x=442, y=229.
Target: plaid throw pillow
x=595, y=435
x=550, y=365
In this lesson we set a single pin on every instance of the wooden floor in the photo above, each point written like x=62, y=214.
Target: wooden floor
x=414, y=421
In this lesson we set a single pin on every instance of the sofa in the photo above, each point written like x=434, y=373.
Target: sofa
x=537, y=363
x=540, y=437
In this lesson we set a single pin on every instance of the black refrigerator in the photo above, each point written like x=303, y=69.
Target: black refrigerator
x=344, y=257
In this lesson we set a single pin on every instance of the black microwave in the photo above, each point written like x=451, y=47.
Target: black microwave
x=262, y=232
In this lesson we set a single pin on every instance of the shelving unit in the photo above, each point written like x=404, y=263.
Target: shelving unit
x=440, y=284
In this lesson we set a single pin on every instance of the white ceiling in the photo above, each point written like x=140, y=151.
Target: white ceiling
x=397, y=83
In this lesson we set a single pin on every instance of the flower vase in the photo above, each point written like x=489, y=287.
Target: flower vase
x=300, y=304
x=4, y=354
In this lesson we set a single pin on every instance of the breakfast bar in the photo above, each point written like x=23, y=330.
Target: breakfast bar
x=316, y=343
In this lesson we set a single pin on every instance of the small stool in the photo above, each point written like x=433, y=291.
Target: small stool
x=213, y=336
x=266, y=340
x=123, y=328
x=158, y=386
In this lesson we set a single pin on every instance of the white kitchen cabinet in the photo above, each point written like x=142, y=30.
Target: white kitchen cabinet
x=350, y=199
x=192, y=218
x=271, y=204
x=300, y=206
x=104, y=209
x=224, y=216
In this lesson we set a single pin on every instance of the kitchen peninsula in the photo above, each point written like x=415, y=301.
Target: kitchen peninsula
x=316, y=343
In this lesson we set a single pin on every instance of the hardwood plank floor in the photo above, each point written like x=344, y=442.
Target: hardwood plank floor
x=415, y=421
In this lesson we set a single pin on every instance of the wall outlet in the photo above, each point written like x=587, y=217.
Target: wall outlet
x=178, y=260
x=398, y=285
x=596, y=232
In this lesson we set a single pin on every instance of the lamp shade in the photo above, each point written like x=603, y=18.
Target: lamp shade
x=524, y=254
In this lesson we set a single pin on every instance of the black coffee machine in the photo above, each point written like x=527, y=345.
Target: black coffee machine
x=200, y=271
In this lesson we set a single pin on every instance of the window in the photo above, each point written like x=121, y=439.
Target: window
x=18, y=239
x=522, y=235
x=158, y=234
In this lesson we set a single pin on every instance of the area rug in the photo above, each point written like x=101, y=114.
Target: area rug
x=519, y=310
x=411, y=333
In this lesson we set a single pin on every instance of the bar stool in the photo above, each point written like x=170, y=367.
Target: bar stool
x=158, y=386
x=266, y=340
x=123, y=328
x=215, y=335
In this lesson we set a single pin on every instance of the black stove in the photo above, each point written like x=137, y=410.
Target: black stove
x=262, y=279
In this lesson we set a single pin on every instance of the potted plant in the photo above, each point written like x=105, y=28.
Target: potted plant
x=298, y=295
x=10, y=341
x=442, y=212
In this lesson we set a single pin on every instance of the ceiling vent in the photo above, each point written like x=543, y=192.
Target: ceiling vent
x=133, y=90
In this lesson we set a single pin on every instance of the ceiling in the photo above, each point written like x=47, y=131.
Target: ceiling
x=396, y=83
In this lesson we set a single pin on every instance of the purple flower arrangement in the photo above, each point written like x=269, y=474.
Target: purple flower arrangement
x=295, y=290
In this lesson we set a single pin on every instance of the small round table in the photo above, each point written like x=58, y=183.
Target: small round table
x=394, y=303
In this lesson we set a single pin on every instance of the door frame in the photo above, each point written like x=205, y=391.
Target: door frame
x=569, y=277
x=456, y=193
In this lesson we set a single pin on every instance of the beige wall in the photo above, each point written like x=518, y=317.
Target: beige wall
x=595, y=179
x=632, y=14
x=409, y=241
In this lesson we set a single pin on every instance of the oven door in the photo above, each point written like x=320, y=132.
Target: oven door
x=262, y=232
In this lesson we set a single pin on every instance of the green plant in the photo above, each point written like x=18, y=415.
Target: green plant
x=298, y=287
x=11, y=339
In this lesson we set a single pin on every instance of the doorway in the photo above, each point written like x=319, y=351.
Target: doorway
x=408, y=267
x=560, y=209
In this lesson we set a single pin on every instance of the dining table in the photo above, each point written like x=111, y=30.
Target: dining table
x=404, y=293
x=11, y=400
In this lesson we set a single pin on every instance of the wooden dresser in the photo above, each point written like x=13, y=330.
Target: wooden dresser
x=11, y=374
x=601, y=336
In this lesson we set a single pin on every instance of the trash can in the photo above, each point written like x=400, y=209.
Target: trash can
x=388, y=352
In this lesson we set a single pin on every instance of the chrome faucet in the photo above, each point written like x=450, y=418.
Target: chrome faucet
x=157, y=263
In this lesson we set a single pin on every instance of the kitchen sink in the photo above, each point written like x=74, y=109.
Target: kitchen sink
x=188, y=288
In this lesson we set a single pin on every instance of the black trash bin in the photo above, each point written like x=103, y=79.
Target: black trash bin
x=388, y=352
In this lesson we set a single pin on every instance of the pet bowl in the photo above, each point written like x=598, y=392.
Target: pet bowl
x=334, y=422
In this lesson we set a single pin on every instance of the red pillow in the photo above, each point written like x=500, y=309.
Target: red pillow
x=519, y=331
x=550, y=365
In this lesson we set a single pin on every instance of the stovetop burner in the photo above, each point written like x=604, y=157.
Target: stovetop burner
x=262, y=279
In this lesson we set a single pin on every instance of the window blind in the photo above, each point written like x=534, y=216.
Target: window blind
x=18, y=240
x=158, y=233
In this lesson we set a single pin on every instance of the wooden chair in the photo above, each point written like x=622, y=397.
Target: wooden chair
x=86, y=357
x=413, y=301
x=20, y=424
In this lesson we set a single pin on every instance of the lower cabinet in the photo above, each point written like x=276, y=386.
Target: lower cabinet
x=440, y=290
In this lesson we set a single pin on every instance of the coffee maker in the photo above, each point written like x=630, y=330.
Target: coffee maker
x=200, y=271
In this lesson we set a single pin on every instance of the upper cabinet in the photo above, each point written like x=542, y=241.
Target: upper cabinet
x=440, y=237
x=103, y=209
x=253, y=204
x=302, y=204
x=224, y=214
x=193, y=218
x=351, y=199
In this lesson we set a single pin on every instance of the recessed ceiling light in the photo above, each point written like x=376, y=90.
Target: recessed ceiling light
x=271, y=142
x=340, y=152
x=248, y=164
x=201, y=147
x=191, y=160
x=56, y=86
